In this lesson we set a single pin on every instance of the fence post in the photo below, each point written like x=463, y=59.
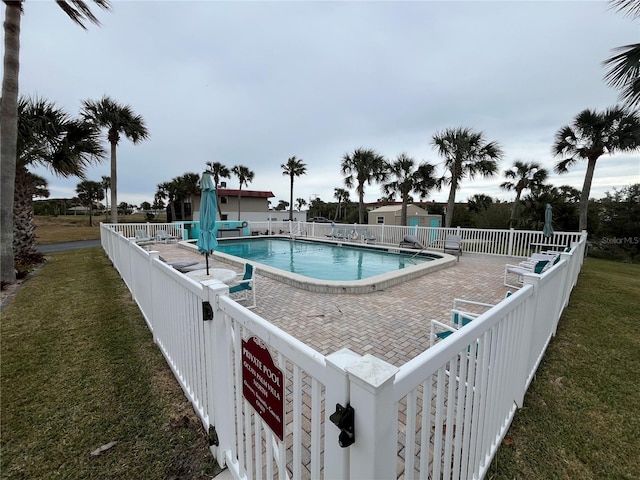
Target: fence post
x=337, y=392
x=373, y=455
x=510, y=247
x=220, y=407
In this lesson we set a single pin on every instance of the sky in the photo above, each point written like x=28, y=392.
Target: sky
x=254, y=83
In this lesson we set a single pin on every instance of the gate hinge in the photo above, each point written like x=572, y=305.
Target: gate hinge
x=207, y=311
x=213, y=436
x=344, y=418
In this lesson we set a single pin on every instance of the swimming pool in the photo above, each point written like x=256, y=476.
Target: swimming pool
x=329, y=266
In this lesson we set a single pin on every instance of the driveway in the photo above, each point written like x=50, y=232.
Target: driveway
x=66, y=246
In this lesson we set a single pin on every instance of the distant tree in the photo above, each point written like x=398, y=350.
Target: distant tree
x=624, y=66
x=294, y=167
x=218, y=171
x=363, y=166
x=300, y=202
x=342, y=196
x=466, y=154
x=408, y=179
x=282, y=205
x=245, y=177
x=187, y=185
x=89, y=193
x=524, y=176
x=563, y=203
x=145, y=206
x=479, y=203
x=591, y=135
x=40, y=186
x=106, y=185
x=118, y=120
x=80, y=13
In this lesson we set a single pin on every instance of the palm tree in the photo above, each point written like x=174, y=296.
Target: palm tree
x=218, y=171
x=479, y=202
x=591, y=135
x=79, y=12
x=342, y=196
x=49, y=137
x=245, y=177
x=294, y=167
x=466, y=154
x=106, y=185
x=187, y=185
x=118, y=120
x=525, y=176
x=300, y=202
x=624, y=66
x=409, y=179
x=168, y=191
x=89, y=192
x=363, y=166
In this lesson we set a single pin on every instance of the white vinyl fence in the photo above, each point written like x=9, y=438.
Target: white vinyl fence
x=441, y=415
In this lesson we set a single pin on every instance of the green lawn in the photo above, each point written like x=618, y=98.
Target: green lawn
x=581, y=416
x=79, y=370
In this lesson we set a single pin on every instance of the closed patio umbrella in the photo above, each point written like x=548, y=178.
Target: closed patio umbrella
x=207, y=239
x=547, y=230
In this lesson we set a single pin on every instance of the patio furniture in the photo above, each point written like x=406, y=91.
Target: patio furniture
x=453, y=243
x=412, y=242
x=521, y=269
x=224, y=275
x=163, y=236
x=246, y=284
x=142, y=236
x=178, y=264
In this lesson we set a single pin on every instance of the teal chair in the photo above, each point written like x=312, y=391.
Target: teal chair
x=246, y=285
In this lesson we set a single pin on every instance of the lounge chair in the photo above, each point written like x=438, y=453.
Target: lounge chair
x=367, y=237
x=453, y=243
x=527, y=267
x=179, y=264
x=246, y=284
x=163, y=236
x=142, y=237
x=412, y=242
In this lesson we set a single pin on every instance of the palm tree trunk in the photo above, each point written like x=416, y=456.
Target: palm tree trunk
x=514, y=210
x=291, y=204
x=361, y=204
x=403, y=211
x=584, y=195
x=239, y=195
x=24, y=237
x=114, y=184
x=9, y=137
x=451, y=202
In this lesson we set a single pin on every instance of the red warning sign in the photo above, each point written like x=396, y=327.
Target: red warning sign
x=263, y=384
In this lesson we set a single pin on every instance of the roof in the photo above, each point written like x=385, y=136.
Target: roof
x=244, y=193
x=395, y=208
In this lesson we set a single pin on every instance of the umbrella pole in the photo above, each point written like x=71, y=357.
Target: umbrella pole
x=206, y=256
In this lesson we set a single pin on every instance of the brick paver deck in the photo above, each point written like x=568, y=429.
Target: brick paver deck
x=392, y=325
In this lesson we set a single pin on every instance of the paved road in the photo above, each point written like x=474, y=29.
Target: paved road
x=66, y=246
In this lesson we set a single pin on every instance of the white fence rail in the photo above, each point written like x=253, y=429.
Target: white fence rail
x=441, y=415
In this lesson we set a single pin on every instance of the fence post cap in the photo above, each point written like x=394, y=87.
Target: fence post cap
x=371, y=372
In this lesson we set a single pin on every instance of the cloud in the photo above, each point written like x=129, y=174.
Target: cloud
x=253, y=83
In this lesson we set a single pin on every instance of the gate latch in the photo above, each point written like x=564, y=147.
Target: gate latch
x=207, y=311
x=344, y=419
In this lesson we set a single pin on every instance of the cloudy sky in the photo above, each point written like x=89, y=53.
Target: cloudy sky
x=253, y=83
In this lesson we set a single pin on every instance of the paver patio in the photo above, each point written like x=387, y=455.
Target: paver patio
x=393, y=324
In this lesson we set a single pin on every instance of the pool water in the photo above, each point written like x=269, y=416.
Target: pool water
x=322, y=261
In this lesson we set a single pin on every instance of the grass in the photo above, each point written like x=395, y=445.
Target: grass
x=67, y=228
x=79, y=370
x=581, y=415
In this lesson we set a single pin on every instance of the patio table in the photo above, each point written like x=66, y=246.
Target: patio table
x=223, y=274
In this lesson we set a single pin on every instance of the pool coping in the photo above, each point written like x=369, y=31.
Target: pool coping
x=367, y=285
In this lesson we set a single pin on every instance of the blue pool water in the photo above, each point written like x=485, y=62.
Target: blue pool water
x=322, y=261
